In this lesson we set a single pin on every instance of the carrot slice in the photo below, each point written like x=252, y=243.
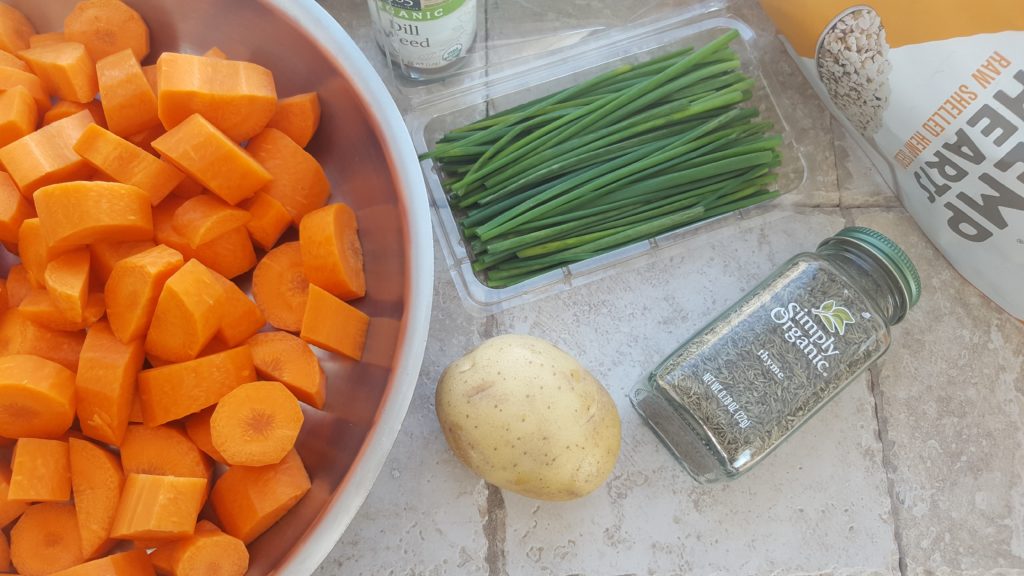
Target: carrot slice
x=298, y=117
x=19, y=335
x=163, y=226
x=162, y=451
x=145, y=139
x=46, y=155
x=45, y=540
x=96, y=480
x=289, y=360
x=188, y=188
x=208, y=551
x=105, y=255
x=40, y=471
x=86, y=212
x=299, y=182
x=36, y=253
x=187, y=315
x=5, y=553
x=45, y=39
x=3, y=295
x=135, y=415
x=150, y=73
x=15, y=29
x=127, y=163
x=215, y=52
x=198, y=428
x=129, y=102
x=105, y=383
x=65, y=68
x=41, y=308
x=67, y=281
x=207, y=155
x=18, y=285
x=269, y=220
x=134, y=288
x=249, y=500
x=107, y=27
x=8, y=60
x=11, y=77
x=256, y=424
x=19, y=115
x=158, y=507
x=332, y=256
x=131, y=563
x=242, y=318
x=280, y=288
x=206, y=217
x=37, y=397
x=207, y=379
x=14, y=209
x=65, y=108
x=334, y=325
x=237, y=97
x=9, y=510
x=230, y=254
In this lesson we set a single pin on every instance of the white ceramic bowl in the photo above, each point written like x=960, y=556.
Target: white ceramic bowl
x=368, y=155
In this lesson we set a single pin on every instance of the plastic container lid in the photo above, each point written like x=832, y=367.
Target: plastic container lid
x=892, y=254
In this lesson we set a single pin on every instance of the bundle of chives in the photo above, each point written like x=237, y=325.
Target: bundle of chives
x=628, y=155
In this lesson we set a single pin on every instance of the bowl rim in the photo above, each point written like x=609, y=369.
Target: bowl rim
x=396, y=141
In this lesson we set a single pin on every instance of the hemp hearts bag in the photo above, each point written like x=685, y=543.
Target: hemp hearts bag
x=934, y=94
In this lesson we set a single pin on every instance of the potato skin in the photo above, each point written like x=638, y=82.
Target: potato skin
x=527, y=417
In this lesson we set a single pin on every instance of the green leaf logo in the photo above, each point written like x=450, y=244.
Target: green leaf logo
x=834, y=318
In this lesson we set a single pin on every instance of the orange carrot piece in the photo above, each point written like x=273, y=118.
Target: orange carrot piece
x=5, y=553
x=65, y=108
x=151, y=77
x=163, y=451
x=299, y=182
x=206, y=154
x=248, y=500
x=256, y=424
x=188, y=188
x=239, y=98
x=208, y=551
x=298, y=117
x=206, y=217
x=134, y=287
x=187, y=315
x=14, y=209
x=86, y=212
x=107, y=27
x=280, y=287
x=96, y=481
x=333, y=324
x=45, y=540
x=332, y=256
x=19, y=115
x=19, y=335
x=45, y=39
x=3, y=295
x=131, y=563
x=163, y=226
x=129, y=102
x=198, y=428
x=145, y=139
x=15, y=29
x=11, y=77
x=269, y=220
x=35, y=251
x=41, y=308
x=8, y=60
x=207, y=379
x=242, y=318
x=46, y=155
x=9, y=510
x=40, y=471
x=67, y=281
x=105, y=383
x=18, y=285
x=230, y=254
x=135, y=416
x=215, y=52
x=105, y=255
x=37, y=397
x=65, y=68
x=127, y=163
x=284, y=357
x=158, y=507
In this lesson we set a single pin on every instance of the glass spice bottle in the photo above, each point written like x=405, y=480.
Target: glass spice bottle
x=738, y=388
x=424, y=39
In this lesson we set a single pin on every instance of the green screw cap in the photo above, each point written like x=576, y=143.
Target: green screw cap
x=892, y=254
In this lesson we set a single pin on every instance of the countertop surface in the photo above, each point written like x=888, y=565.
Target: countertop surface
x=916, y=468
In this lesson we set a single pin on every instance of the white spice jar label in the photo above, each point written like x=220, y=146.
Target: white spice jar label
x=425, y=34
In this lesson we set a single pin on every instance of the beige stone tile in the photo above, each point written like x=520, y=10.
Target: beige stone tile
x=860, y=185
x=951, y=400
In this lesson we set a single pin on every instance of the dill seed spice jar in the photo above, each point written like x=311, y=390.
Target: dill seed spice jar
x=745, y=382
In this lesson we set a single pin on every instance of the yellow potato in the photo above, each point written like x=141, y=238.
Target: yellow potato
x=527, y=417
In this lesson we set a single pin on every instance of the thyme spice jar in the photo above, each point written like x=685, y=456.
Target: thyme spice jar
x=738, y=388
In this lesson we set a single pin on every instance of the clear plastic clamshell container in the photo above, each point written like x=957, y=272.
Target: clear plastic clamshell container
x=497, y=75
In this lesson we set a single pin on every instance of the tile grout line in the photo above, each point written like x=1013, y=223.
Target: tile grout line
x=887, y=466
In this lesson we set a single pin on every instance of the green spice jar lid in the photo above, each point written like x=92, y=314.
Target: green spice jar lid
x=892, y=253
